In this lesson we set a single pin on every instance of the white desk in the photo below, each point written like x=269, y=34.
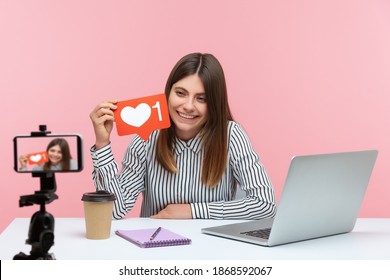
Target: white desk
x=370, y=239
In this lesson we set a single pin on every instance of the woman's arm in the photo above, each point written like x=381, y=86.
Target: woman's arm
x=126, y=185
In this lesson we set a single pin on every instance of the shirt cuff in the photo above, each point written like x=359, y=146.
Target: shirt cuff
x=200, y=210
x=101, y=157
x=216, y=210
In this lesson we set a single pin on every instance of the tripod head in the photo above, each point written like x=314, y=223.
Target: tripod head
x=45, y=195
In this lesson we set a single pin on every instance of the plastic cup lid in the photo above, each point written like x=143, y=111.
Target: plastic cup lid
x=99, y=196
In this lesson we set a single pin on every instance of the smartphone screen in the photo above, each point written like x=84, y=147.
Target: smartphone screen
x=50, y=153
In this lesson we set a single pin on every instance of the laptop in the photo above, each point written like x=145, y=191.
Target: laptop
x=322, y=196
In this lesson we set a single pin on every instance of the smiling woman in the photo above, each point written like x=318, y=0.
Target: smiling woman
x=59, y=156
x=192, y=168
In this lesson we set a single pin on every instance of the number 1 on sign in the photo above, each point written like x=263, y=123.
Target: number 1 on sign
x=157, y=106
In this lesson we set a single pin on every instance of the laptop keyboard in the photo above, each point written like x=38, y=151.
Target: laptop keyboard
x=261, y=233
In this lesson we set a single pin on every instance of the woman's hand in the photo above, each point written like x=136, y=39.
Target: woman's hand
x=174, y=211
x=102, y=118
x=23, y=162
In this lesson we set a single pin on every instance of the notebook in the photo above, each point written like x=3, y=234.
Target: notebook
x=322, y=196
x=165, y=237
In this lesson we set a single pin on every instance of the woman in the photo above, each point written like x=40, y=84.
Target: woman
x=191, y=169
x=59, y=158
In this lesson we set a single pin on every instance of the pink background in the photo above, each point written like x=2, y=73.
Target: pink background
x=303, y=77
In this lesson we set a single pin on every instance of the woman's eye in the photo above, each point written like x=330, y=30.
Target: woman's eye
x=179, y=93
x=202, y=99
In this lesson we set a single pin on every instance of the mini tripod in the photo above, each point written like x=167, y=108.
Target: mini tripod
x=41, y=231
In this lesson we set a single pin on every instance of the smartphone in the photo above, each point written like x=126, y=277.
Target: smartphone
x=48, y=153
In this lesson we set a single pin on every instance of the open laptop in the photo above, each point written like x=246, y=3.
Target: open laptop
x=322, y=196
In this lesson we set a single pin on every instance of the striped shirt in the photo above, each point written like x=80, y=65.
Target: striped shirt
x=141, y=173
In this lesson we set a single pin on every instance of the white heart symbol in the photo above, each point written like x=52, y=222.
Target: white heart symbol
x=136, y=117
x=36, y=158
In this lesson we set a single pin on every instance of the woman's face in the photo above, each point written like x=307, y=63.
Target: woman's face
x=187, y=106
x=55, y=154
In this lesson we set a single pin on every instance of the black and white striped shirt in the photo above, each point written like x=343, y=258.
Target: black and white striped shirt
x=141, y=173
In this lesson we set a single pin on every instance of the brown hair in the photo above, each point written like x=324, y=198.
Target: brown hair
x=214, y=132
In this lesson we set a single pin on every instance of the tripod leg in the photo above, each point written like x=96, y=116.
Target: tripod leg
x=47, y=240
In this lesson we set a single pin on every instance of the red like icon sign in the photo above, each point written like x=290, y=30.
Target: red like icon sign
x=37, y=158
x=142, y=115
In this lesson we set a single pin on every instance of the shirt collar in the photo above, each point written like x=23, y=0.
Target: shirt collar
x=193, y=144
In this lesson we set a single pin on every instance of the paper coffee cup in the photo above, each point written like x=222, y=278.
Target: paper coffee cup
x=98, y=214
